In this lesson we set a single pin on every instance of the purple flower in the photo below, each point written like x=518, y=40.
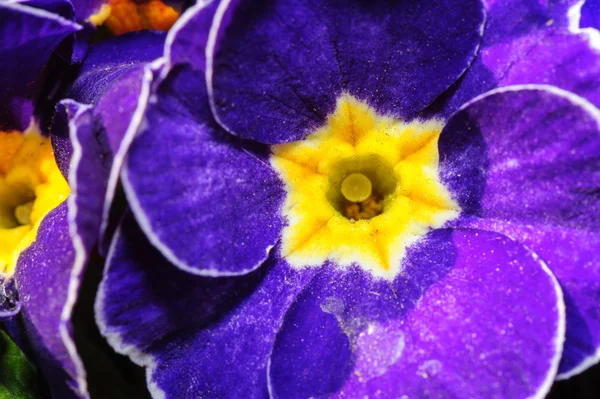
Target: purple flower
x=42, y=253
x=358, y=199
x=105, y=95
x=31, y=189
x=83, y=145
x=45, y=240
x=29, y=37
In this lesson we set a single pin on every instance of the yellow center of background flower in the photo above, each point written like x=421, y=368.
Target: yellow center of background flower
x=123, y=16
x=361, y=189
x=31, y=185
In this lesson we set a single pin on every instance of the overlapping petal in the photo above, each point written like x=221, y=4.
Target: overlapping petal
x=49, y=272
x=344, y=332
x=524, y=161
x=118, y=86
x=186, y=43
x=198, y=336
x=48, y=282
x=543, y=45
x=275, y=69
x=87, y=174
x=108, y=60
x=208, y=203
x=430, y=333
x=120, y=112
x=28, y=37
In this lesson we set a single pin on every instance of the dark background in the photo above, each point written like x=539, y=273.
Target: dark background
x=583, y=386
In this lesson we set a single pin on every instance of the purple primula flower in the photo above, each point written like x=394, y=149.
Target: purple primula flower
x=543, y=45
x=550, y=48
x=39, y=261
x=49, y=272
x=45, y=237
x=112, y=83
x=360, y=199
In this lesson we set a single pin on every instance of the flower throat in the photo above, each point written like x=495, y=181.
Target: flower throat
x=361, y=189
x=359, y=186
x=31, y=185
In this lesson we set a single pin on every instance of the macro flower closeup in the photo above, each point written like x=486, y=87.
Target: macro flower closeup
x=36, y=251
x=321, y=198
x=45, y=238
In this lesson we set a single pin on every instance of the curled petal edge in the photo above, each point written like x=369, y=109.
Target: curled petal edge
x=136, y=355
x=81, y=254
x=119, y=157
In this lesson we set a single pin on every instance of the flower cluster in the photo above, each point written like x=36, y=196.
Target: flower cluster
x=297, y=199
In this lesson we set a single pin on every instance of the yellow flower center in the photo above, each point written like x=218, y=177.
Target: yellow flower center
x=361, y=189
x=31, y=185
x=123, y=16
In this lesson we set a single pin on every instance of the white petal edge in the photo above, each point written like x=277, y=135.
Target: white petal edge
x=81, y=255
x=114, y=339
x=210, y=49
x=144, y=222
x=212, y=39
x=118, y=159
x=574, y=17
x=559, y=339
x=180, y=24
x=37, y=12
x=595, y=113
x=585, y=364
x=574, y=98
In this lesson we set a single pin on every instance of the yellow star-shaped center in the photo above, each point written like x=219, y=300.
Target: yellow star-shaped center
x=361, y=189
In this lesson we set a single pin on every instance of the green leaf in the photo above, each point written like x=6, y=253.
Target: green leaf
x=17, y=375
